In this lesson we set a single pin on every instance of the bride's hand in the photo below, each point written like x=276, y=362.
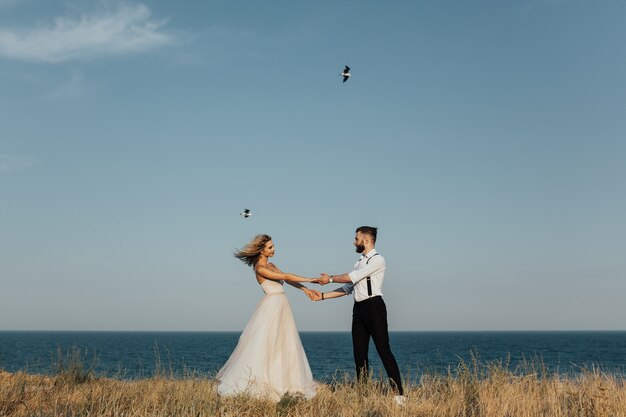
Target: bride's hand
x=313, y=294
x=323, y=279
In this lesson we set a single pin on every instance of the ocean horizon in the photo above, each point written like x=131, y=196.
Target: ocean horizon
x=140, y=354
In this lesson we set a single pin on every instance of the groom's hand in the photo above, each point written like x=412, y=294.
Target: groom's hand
x=314, y=295
x=323, y=279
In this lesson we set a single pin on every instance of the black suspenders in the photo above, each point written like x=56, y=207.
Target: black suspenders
x=369, y=279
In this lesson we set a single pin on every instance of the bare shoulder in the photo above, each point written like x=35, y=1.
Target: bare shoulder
x=273, y=267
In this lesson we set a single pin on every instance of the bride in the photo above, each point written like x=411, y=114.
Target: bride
x=269, y=359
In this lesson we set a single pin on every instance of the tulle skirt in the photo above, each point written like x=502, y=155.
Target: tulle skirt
x=269, y=359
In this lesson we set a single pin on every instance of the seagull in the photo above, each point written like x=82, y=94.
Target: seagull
x=346, y=73
x=246, y=213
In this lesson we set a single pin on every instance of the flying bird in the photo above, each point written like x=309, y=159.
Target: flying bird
x=346, y=73
x=246, y=213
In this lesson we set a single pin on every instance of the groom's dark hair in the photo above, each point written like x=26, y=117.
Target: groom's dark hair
x=368, y=230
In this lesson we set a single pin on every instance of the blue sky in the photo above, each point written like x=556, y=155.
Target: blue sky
x=485, y=139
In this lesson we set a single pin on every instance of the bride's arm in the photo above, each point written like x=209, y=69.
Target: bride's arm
x=292, y=283
x=312, y=294
x=289, y=278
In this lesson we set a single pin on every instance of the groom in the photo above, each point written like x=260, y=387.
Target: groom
x=369, y=314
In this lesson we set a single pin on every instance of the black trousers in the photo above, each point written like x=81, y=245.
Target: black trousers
x=369, y=319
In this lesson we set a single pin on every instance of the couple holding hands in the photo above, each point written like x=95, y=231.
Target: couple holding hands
x=269, y=359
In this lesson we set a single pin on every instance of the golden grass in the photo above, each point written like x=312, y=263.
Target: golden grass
x=486, y=391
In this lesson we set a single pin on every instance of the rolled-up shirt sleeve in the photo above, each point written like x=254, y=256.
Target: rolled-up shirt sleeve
x=348, y=288
x=377, y=264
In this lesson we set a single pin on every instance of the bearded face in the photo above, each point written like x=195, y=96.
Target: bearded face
x=358, y=243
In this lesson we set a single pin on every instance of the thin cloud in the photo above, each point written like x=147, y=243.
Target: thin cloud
x=14, y=163
x=129, y=29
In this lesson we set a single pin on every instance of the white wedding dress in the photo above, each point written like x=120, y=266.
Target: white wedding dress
x=269, y=359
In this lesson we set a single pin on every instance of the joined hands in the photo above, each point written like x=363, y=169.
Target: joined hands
x=314, y=295
x=322, y=280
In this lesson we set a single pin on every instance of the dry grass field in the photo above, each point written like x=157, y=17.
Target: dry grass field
x=490, y=390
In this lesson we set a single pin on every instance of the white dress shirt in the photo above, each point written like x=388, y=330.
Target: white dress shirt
x=375, y=269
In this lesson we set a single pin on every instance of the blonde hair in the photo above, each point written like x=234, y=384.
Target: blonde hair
x=251, y=252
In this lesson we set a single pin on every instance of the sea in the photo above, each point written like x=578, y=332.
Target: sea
x=134, y=355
